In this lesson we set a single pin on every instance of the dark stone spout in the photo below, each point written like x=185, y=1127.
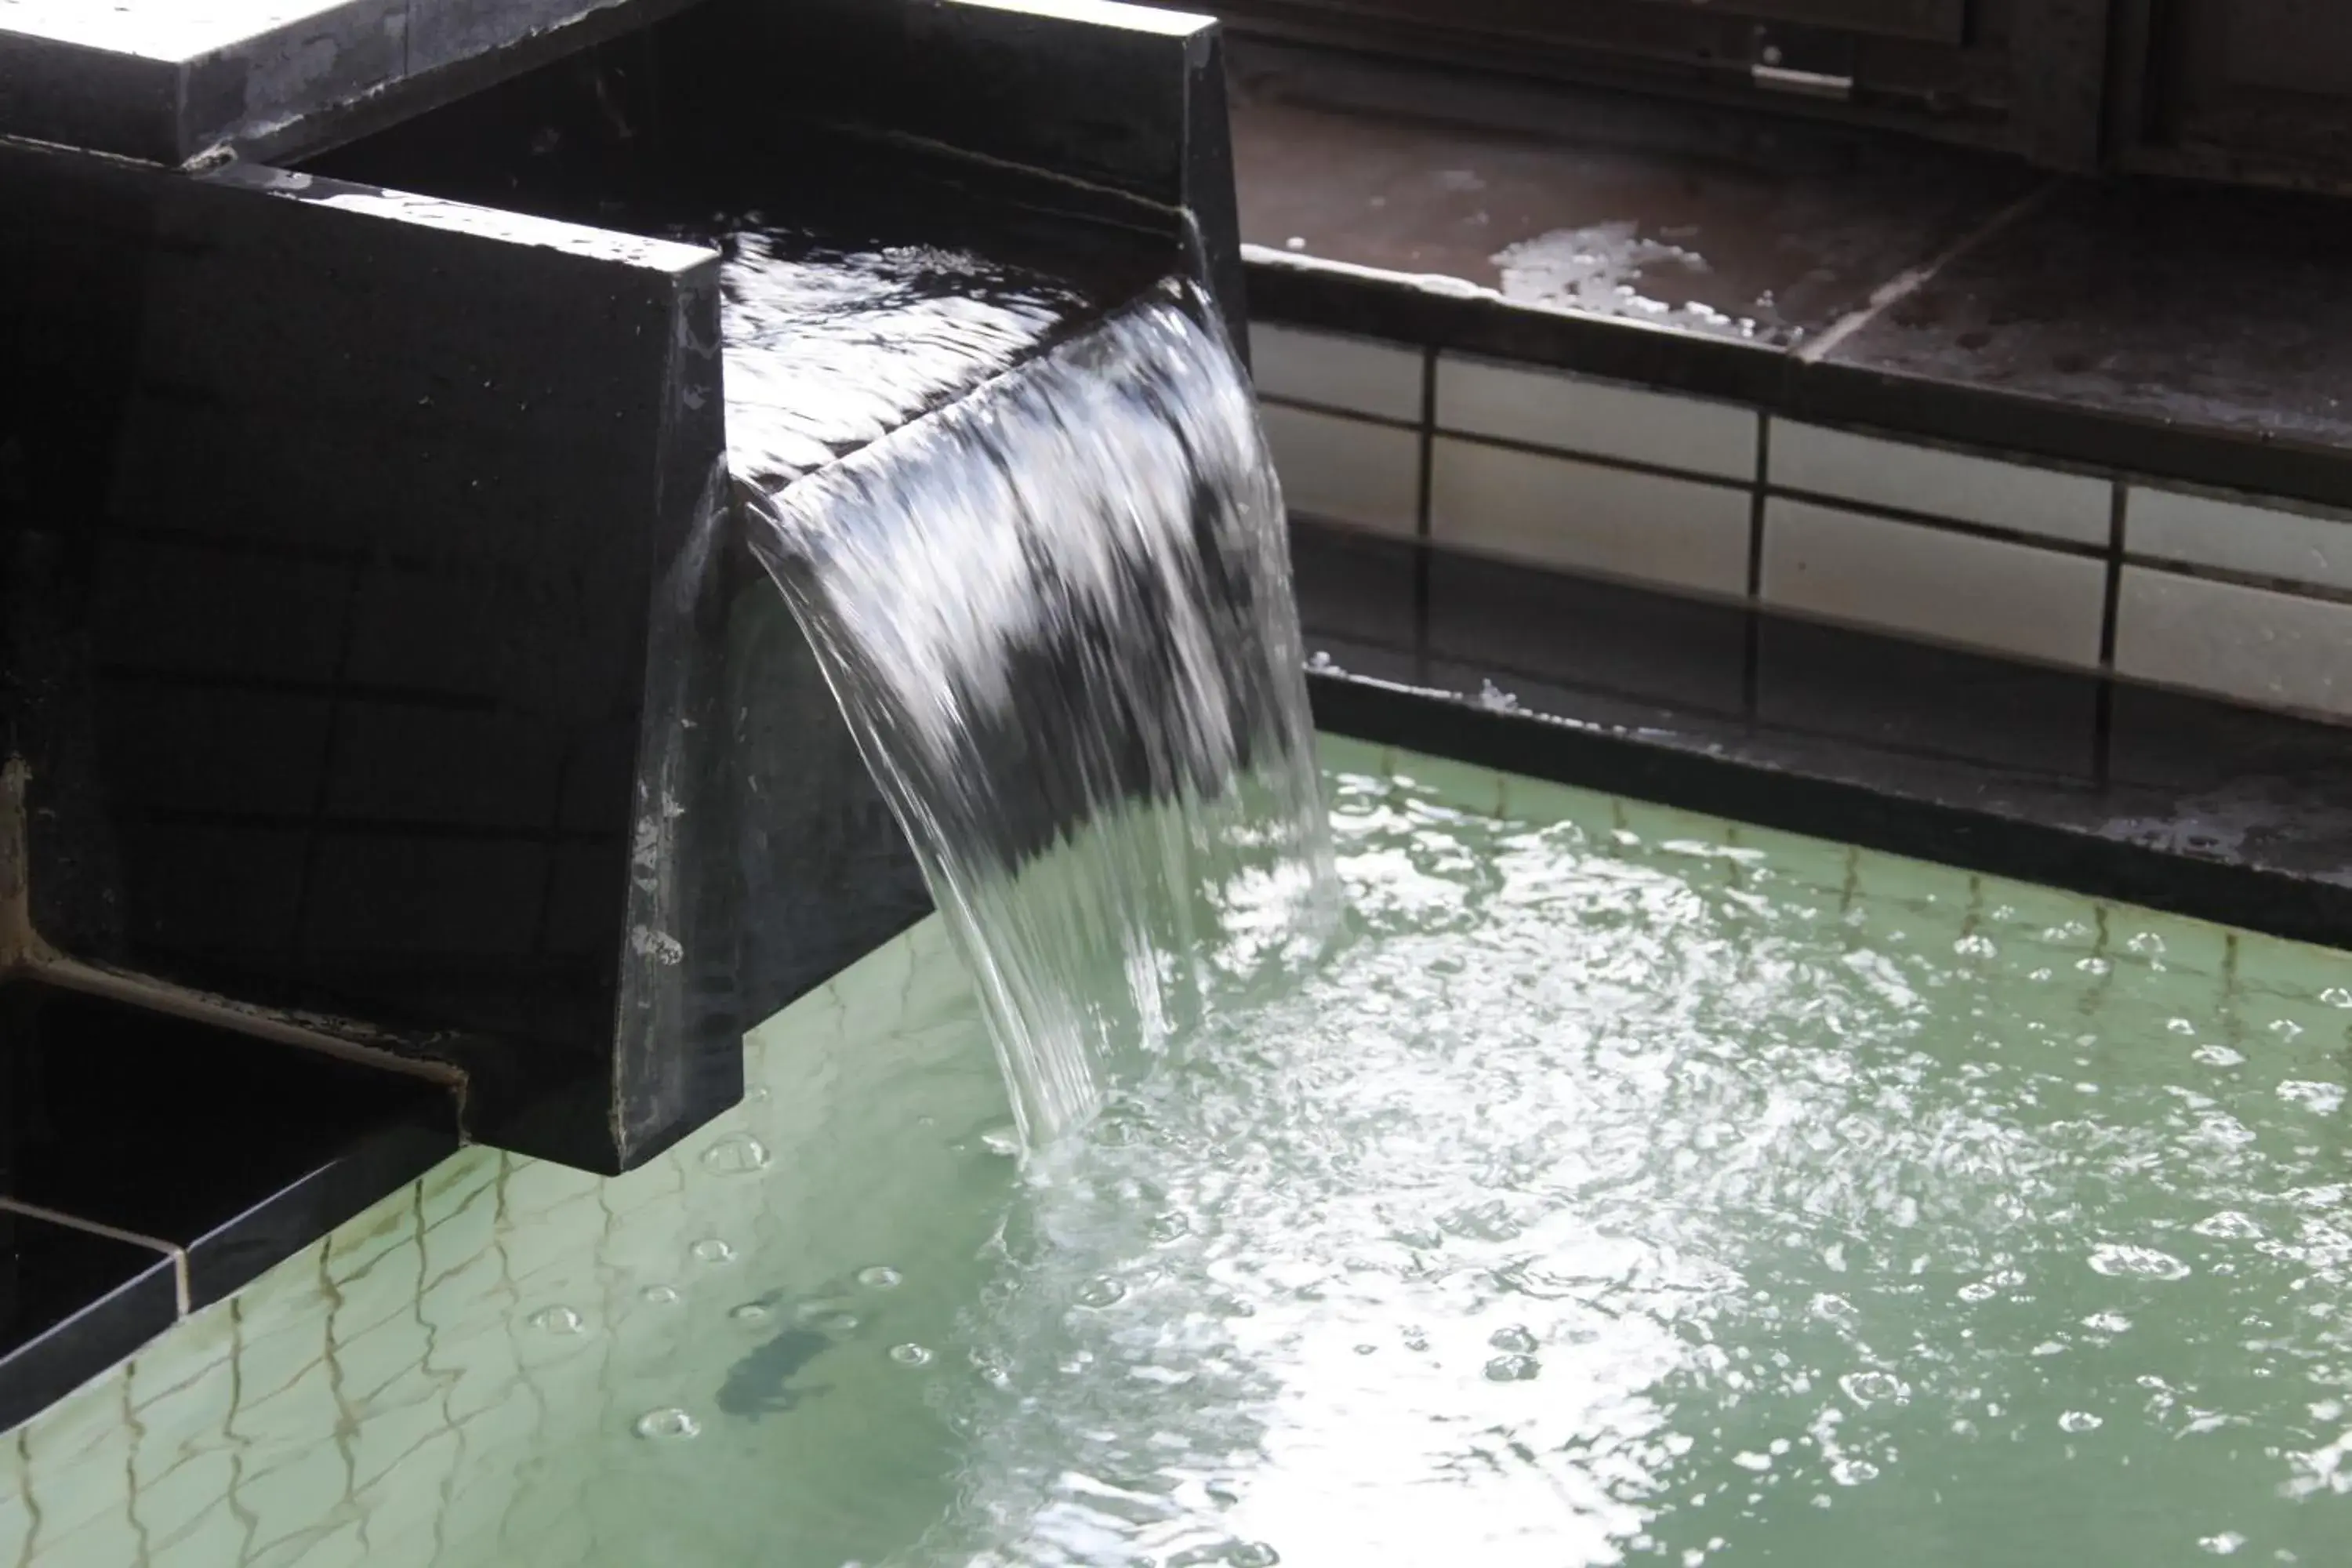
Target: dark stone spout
x=382, y=675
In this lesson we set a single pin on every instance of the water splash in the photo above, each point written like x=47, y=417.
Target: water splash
x=1057, y=614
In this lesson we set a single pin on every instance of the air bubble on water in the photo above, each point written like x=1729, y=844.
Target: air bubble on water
x=880, y=1276
x=668, y=1424
x=710, y=1250
x=1513, y=1369
x=1367, y=1349
x=2228, y=1225
x=557, y=1320
x=659, y=1295
x=1835, y=1309
x=1874, y=1388
x=1169, y=1227
x=1515, y=1339
x=2319, y=1098
x=2221, y=1545
x=2079, y=1421
x=2217, y=1056
x=831, y=1319
x=2147, y=942
x=737, y=1154
x=2285, y=1028
x=1978, y=1290
x=751, y=1312
x=1002, y=1140
x=2181, y=1025
x=1099, y=1293
x=2093, y=966
x=2337, y=996
x=1253, y=1554
x=1974, y=945
x=2114, y=1258
x=2107, y=1323
x=911, y=1355
x=1849, y=1472
x=756, y=1095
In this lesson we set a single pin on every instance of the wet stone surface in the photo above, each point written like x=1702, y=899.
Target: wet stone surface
x=1743, y=227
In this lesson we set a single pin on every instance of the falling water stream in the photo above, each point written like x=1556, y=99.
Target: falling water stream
x=1057, y=615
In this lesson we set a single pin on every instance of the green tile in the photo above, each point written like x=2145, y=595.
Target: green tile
x=278, y=1428
x=1457, y=786
x=15, y=1517
x=1795, y=860
x=531, y=1187
x=2053, y=919
x=163, y=1374
x=170, y=1504
x=2272, y=966
x=1548, y=805
x=1920, y=885
x=460, y=1221
x=79, y=1458
x=384, y=1362
x=1346, y=754
x=339, y=1545
x=213, y=1539
x=288, y=1500
x=276, y=1348
x=403, y=1444
x=98, y=1540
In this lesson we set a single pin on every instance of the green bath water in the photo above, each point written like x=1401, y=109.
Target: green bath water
x=1629, y=1187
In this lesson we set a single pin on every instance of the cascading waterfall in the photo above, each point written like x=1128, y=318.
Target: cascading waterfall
x=1057, y=615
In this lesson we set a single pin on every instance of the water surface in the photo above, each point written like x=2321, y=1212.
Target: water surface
x=1631, y=1188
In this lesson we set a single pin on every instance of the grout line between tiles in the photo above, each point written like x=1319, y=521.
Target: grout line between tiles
x=1594, y=459
x=2100, y=551
x=1421, y=526
x=1751, y=674
x=1428, y=439
x=1335, y=411
x=177, y=1254
x=2103, y=712
x=2286, y=587
x=1755, y=506
x=1910, y=280
x=2114, y=577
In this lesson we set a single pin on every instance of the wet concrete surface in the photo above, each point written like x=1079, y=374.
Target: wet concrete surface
x=2191, y=332
x=2213, y=309
x=1715, y=222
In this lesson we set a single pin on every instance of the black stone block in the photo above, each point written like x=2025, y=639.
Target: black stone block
x=366, y=575
x=164, y=83
x=78, y=1303
x=379, y=655
x=269, y=1145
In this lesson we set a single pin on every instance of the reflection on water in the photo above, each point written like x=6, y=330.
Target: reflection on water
x=1629, y=1188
